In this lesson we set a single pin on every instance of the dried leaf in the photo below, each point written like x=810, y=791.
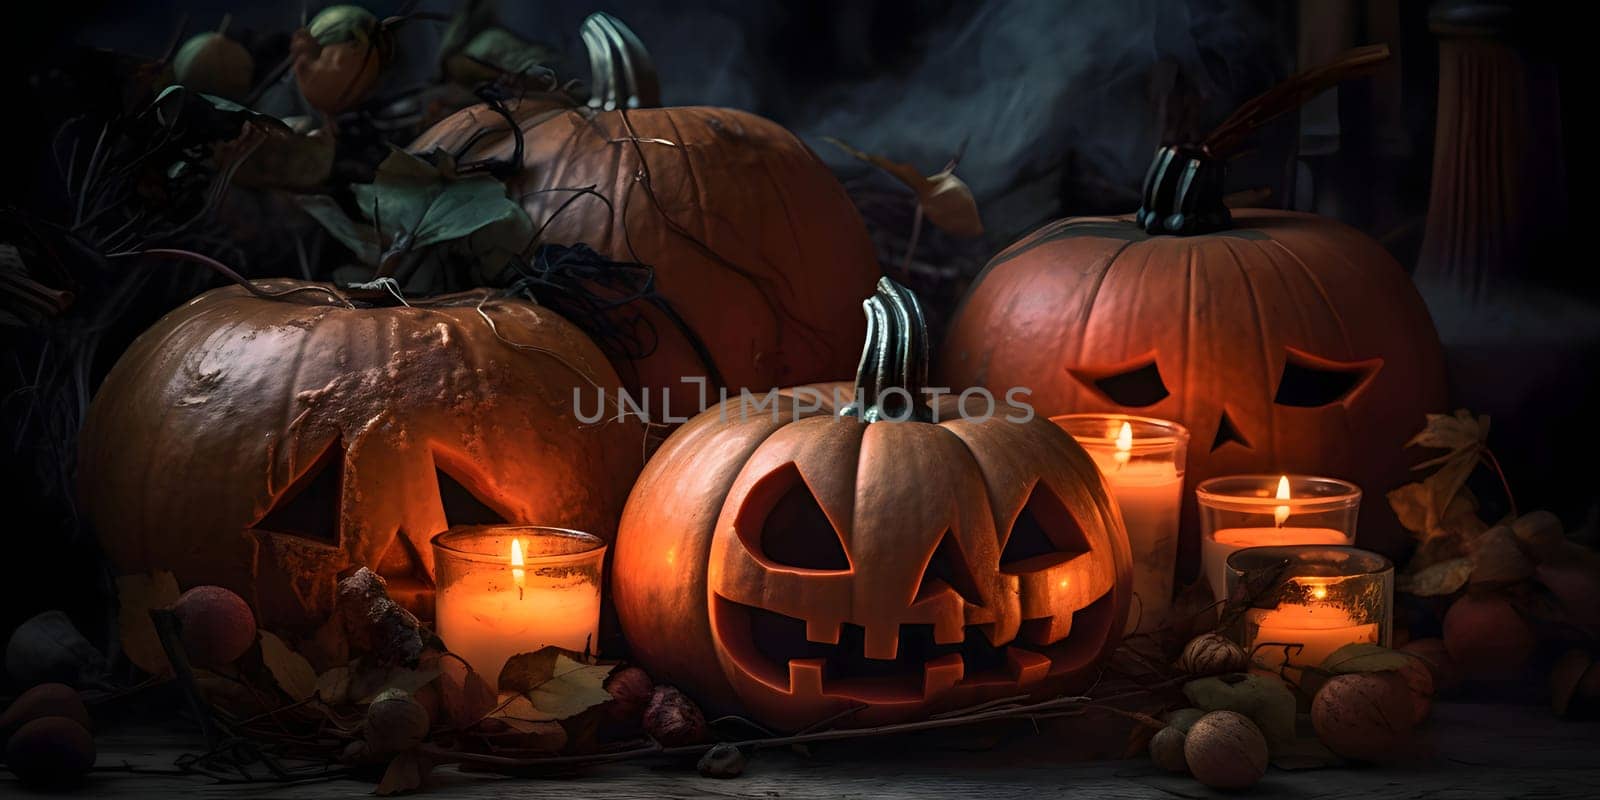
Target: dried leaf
x=1412, y=506
x=534, y=727
x=1445, y=577
x=1266, y=700
x=1452, y=432
x=406, y=773
x=1496, y=558
x=464, y=694
x=1565, y=677
x=946, y=200
x=557, y=684
x=136, y=595
x=290, y=669
x=333, y=686
x=367, y=682
x=1365, y=657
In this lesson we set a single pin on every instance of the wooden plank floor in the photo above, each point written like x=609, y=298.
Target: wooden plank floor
x=1478, y=751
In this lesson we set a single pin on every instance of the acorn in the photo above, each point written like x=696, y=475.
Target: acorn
x=218, y=626
x=1166, y=749
x=395, y=722
x=722, y=761
x=1487, y=637
x=50, y=752
x=214, y=64
x=44, y=700
x=1225, y=750
x=630, y=689
x=1367, y=716
x=1212, y=654
x=673, y=719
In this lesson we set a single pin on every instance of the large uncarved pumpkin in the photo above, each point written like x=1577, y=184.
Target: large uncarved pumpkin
x=789, y=562
x=1285, y=342
x=266, y=444
x=754, y=243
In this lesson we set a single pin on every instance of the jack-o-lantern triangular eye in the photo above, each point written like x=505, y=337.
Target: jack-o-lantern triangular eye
x=309, y=508
x=1135, y=384
x=781, y=523
x=1312, y=382
x=1044, y=534
x=461, y=505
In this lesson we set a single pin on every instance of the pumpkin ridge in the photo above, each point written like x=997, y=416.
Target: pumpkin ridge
x=1267, y=359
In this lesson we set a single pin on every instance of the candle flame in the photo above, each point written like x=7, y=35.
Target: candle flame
x=1319, y=592
x=1281, y=513
x=518, y=574
x=1124, y=444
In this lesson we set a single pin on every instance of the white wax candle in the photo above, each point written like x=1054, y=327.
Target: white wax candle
x=1315, y=631
x=489, y=620
x=1215, y=549
x=1148, y=493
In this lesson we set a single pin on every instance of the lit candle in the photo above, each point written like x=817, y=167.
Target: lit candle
x=1329, y=597
x=1256, y=510
x=504, y=590
x=1142, y=460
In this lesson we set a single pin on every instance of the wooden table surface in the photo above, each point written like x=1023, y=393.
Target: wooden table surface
x=1478, y=751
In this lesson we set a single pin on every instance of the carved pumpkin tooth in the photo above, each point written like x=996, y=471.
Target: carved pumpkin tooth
x=949, y=629
x=822, y=632
x=805, y=676
x=942, y=674
x=1026, y=666
x=882, y=642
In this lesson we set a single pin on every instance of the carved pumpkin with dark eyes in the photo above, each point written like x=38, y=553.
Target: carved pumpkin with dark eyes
x=266, y=443
x=790, y=563
x=1285, y=342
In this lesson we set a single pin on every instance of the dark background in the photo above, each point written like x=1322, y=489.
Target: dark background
x=1056, y=107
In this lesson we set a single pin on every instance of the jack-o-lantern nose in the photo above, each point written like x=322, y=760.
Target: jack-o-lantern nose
x=1227, y=432
x=949, y=568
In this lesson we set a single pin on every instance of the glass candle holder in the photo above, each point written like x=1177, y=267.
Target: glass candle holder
x=1142, y=459
x=509, y=589
x=1327, y=597
x=1240, y=511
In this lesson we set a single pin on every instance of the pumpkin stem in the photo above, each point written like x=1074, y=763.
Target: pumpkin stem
x=621, y=72
x=1182, y=193
x=894, y=362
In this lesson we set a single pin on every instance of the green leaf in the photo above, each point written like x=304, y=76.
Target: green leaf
x=413, y=204
x=555, y=684
x=1365, y=657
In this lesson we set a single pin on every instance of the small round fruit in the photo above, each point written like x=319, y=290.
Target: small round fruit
x=1487, y=637
x=1225, y=750
x=1166, y=749
x=218, y=626
x=214, y=64
x=1433, y=653
x=1212, y=654
x=1419, y=687
x=44, y=700
x=1366, y=716
x=1184, y=718
x=338, y=57
x=630, y=689
x=50, y=752
x=395, y=722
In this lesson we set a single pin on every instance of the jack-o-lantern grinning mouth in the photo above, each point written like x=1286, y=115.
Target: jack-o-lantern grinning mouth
x=775, y=649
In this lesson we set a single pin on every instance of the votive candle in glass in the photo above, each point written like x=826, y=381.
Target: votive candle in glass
x=509, y=589
x=1142, y=459
x=1239, y=511
x=1327, y=597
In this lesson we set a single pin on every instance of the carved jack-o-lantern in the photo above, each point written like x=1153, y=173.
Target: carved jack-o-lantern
x=1285, y=342
x=267, y=443
x=791, y=562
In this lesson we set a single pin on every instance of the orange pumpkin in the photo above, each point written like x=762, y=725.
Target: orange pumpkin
x=265, y=443
x=1285, y=342
x=754, y=243
x=788, y=562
